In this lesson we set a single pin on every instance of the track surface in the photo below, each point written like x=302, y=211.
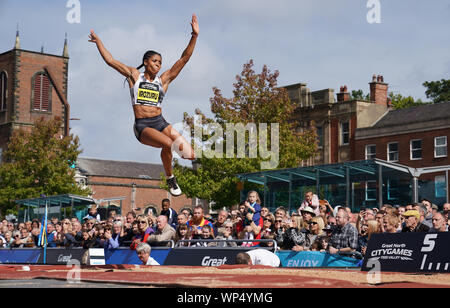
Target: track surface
x=226, y=276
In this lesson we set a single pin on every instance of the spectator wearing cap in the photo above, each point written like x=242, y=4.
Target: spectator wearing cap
x=439, y=223
x=344, y=237
x=311, y=200
x=307, y=214
x=412, y=222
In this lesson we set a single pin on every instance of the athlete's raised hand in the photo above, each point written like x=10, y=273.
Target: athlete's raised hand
x=93, y=37
x=194, y=25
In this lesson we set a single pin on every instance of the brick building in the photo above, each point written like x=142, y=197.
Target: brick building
x=128, y=185
x=416, y=137
x=353, y=130
x=32, y=85
x=336, y=121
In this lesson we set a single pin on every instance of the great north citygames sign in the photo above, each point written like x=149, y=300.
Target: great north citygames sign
x=408, y=252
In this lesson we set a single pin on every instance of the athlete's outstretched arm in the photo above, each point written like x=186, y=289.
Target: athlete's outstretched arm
x=173, y=72
x=127, y=71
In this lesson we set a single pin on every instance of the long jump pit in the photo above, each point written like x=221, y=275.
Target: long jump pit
x=225, y=276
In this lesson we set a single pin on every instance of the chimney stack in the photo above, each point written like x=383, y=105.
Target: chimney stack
x=343, y=95
x=379, y=91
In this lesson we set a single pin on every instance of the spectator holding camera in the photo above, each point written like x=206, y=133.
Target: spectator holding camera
x=368, y=228
x=287, y=235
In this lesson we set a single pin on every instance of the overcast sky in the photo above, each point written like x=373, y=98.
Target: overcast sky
x=325, y=44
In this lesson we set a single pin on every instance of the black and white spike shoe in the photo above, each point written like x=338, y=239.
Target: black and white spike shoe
x=174, y=189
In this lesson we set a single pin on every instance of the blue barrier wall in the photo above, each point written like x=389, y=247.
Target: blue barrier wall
x=314, y=259
x=128, y=256
x=168, y=256
x=22, y=256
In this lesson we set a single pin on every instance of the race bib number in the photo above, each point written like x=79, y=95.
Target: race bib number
x=148, y=94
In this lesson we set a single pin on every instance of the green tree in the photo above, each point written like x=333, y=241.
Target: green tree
x=256, y=99
x=438, y=91
x=38, y=162
x=359, y=95
x=399, y=101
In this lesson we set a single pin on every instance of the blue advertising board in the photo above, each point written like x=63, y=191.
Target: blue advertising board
x=290, y=258
x=128, y=256
x=19, y=256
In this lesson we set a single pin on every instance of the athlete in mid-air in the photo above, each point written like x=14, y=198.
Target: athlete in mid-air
x=147, y=92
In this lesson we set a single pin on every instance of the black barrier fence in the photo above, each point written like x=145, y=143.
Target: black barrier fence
x=408, y=252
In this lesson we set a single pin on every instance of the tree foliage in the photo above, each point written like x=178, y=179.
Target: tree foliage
x=38, y=162
x=256, y=99
x=359, y=95
x=399, y=101
x=438, y=91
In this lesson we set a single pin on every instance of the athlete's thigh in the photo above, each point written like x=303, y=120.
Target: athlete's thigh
x=172, y=133
x=152, y=137
x=180, y=143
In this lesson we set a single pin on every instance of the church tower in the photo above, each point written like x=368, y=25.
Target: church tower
x=32, y=85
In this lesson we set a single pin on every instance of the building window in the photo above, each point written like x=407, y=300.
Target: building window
x=415, y=148
x=392, y=189
x=440, y=146
x=371, y=190
x=392, y=151
x=319, y=131
x=440, y=187
x=345, y=133
x=3, y=90
x=41, y=93
x=371, y=151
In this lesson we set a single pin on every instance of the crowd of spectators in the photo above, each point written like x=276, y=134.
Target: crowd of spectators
x=315, y=226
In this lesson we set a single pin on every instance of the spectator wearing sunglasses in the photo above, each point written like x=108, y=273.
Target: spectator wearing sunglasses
x=144, y=231
x=314, y=230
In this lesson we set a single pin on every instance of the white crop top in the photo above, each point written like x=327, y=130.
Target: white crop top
x=145, y=92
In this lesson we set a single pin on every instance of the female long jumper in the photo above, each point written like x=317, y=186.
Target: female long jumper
x=147, y=92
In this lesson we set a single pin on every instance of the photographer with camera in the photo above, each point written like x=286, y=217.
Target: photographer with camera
x=287, y=234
